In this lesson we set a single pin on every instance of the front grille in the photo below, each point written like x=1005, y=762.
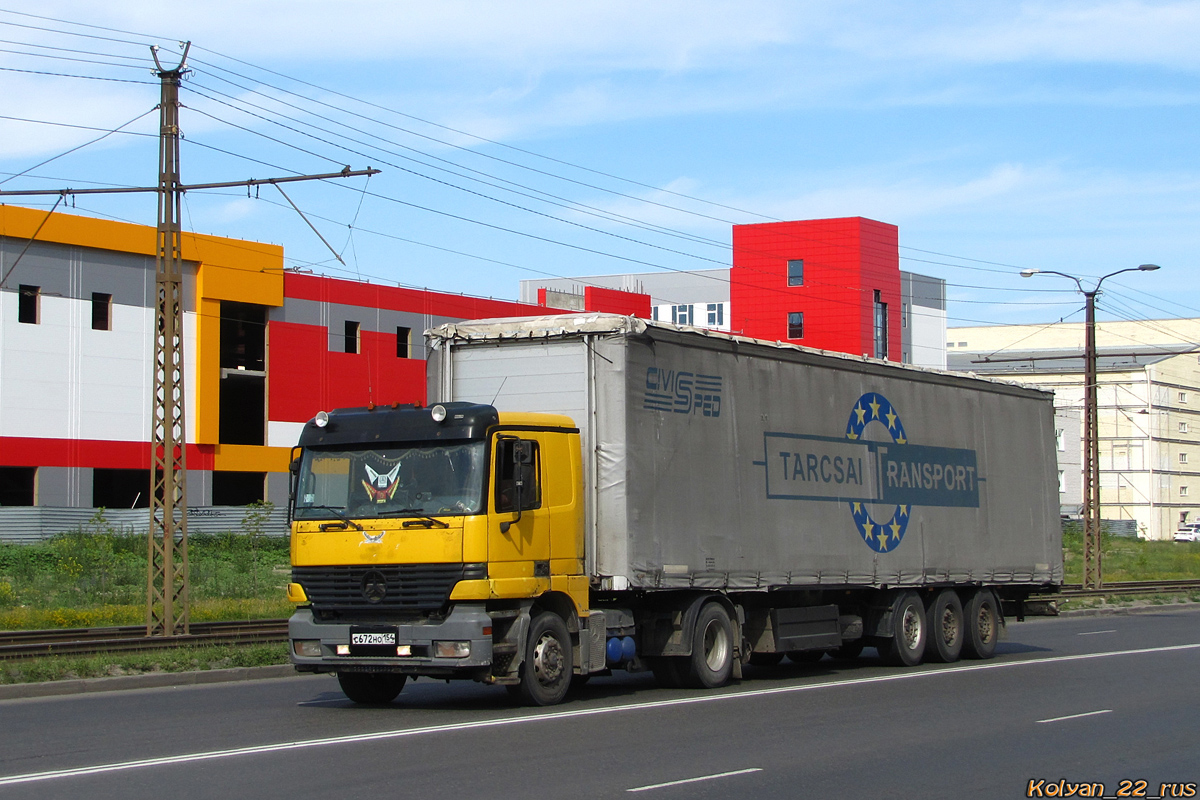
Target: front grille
x=391, y=588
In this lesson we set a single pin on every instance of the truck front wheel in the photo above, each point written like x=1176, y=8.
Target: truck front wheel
x=711, y=662
x=546, y=672
x=371, y=688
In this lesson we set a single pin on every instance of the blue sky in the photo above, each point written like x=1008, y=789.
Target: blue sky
x=1017, y=135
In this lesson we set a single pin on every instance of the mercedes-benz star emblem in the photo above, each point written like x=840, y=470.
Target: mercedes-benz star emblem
x=374, y=587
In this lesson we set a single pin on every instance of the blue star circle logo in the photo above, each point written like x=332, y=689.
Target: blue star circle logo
x=882, y=537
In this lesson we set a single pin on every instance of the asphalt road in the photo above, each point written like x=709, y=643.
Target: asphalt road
x=1095, y=699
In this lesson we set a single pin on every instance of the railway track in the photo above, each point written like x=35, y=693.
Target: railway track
x=84, y=641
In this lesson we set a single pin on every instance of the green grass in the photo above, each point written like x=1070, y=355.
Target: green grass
x=1129, y=559
x=179, y=659
x=97, y=577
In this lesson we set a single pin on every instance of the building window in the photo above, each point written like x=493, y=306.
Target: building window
x=1062, y=482
x=351, y=336
x=796, y=272
x=1183, y=427
x=795, y=325
x=716, y=313
x=1183, y=397
x=1183, y=491
x=881, y=326
x=683, y=315
x=1060, y=440
x=28, y=298
x=1183, y=458
x=904, y=315
x=101, y=311
x=18, y=486
x=403, y=342
x=654, y=313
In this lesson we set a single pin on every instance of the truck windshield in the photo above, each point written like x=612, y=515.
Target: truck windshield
x=424, y=480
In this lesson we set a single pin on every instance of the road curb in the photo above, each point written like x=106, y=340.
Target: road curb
x=150, y=680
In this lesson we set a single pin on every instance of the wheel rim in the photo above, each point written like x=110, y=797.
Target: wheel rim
x=548, y=660
x=985, y=624
x=911, y=628
x=949, y=626
x=716, y=646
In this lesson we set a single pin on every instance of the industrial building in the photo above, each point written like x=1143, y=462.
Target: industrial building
x=1148, y=398
x=266, y=348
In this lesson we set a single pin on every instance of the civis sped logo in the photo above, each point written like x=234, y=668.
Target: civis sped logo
x=682, y=392
x=872, y=464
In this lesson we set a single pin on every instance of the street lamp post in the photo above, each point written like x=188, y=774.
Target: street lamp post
x=1091, y=430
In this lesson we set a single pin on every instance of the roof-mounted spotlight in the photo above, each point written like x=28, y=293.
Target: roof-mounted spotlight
x=321, y=419
x=438, y=413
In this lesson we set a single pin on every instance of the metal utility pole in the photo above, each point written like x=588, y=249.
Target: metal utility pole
x=167, y=607
x=1092, y=571
x=167, y=604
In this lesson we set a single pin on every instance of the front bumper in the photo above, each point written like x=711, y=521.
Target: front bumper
x=466, y=622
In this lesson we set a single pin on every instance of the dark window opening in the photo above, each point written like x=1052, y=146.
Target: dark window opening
x=243, y=409
x=403, y=342
x=101, y=311
x=795, y=272
x=506, y=477
x=243, y=336
x=18, y=486
x=795, y=325
x=27, y=304
x=238, y=488
x=351, y=336
x=881, y=326
x=121, y=488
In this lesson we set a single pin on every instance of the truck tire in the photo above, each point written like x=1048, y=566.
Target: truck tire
x=982, y=624
x=711, y=662
x=547, y=670
x=906, y=646
x=371, y=688
x=944, y=639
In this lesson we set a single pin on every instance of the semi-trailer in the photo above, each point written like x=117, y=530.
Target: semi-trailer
x=593, y=492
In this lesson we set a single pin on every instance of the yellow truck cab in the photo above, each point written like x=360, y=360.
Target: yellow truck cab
x=436, y=541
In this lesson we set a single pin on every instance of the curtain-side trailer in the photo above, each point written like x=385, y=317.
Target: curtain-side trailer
x=592, y=492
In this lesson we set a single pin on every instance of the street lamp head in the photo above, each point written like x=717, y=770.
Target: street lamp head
x=1029, y=273
x=1149, y=267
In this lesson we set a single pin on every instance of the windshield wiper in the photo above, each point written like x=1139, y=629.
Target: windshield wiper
x=429, y=521
x=338, y=513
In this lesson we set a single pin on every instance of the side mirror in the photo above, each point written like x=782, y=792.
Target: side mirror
x=522, y=455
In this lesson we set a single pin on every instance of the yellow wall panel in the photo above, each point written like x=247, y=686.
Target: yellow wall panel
x=251, y=458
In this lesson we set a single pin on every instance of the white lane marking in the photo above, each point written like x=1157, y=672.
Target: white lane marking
x=1095, y=633
x=1077, y=716
x=694, y=780
x=122, y=766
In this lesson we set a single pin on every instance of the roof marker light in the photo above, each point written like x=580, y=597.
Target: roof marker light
x=322, y=419
x=438, y=412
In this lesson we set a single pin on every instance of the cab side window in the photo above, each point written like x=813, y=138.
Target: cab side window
x=507, y=470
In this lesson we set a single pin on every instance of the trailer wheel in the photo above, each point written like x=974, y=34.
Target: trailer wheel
x=547, y=670
x=945, y=637
x=371, y=688
x=711, y=662
x=906, y=646
x=765, y=659
x=982, y=625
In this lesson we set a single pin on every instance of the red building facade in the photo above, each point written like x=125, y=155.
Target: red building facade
x=827, y=283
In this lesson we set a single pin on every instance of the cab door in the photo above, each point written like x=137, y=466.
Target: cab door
x=518, y=519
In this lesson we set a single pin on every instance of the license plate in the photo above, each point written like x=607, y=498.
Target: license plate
x=373, y=638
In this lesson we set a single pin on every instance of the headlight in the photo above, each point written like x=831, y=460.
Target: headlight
x=451, y=649
x=438, y=412
x=307, y=648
